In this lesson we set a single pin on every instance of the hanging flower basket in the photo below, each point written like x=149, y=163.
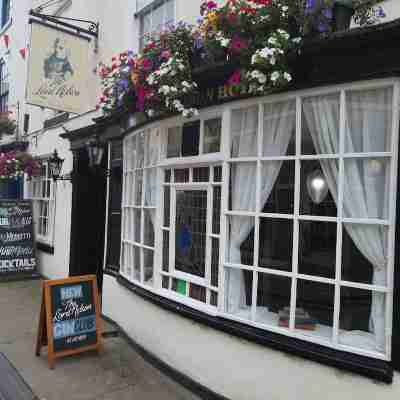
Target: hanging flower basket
x=8, y=126
x=257, y=37
x=15, y=164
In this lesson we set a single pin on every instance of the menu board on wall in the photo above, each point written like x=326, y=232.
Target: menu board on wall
x=70, y=317
x=17, y=245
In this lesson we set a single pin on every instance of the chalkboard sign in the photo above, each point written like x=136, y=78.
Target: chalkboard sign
x=69, y=318
x=17, y=245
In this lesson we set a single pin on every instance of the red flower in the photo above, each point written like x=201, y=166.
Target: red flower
x=150, y=46
x=235, y=78
x=147, y=64
x=262, y=2
x=248, y=10
x=238, y=44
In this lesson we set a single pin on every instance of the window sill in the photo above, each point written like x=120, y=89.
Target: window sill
x=369, y=367
x=46, y=248
x=6, y=26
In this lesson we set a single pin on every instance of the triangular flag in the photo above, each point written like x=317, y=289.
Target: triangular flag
x=6, y=40
x=23, y=53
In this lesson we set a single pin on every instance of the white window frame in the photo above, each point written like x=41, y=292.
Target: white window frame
x=224, y=158
x=37, y=189
x=148, y=10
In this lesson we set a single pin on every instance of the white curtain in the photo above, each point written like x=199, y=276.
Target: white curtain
x=365, y=180
x=279, y=122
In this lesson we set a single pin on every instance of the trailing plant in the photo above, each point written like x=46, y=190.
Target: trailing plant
x=257, y=36
x=14, y=164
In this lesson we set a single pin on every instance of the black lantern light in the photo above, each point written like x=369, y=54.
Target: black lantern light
x=55, y=165
x=95, y=151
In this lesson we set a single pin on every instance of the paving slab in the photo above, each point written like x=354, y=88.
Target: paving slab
x=118, y=373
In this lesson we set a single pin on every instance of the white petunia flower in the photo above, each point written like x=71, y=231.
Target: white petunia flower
x=275, y=76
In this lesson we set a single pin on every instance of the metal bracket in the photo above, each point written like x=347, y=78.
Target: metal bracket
x=92, y=29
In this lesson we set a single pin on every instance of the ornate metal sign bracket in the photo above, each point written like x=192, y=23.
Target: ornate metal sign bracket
x=91, y=30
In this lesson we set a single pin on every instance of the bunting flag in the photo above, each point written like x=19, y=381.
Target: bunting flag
x=23, y=53
x=6, y=39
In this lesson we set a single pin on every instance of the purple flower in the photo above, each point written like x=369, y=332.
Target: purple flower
x=380, y=12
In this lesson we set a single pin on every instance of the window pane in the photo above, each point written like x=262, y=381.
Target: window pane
x=190, y=139
x=214, y=261
x=167, y=175
x=362, y=319
x=136, y=262
x=319, y=179
x=236, y=303
x=148, y=264
x=169, y=11
x=364, y=253
x=167, y=200
x=317, y=248
x=277, y=190
x=279, y=129
x=276, y=244
x=243, y=186
x=369, y=120
x=244, y=128
x=216, y=210
x=314, y=309
x=138, y=187
x=137, y=227
x=150, y=187
x=145, y=24
x=214, y=299
x=165, y=253
x=241, y=240
x=157, y=19
x=320, y=126
x=212, y=135
x=140, y=150
x=201, y=174
x=165, y=282
x=152, y=147
x=366, y=188
x=149, y=217
x=179, y=286
x=190, y=235
x=181, y=175
x=174, y=142
x=273, y=300
x=197, y=292
x=218, y=174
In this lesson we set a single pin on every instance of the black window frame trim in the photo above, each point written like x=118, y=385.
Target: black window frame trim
x=366, y=366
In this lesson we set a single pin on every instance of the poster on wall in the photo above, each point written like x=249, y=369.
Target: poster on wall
x=58, y=69
x=17, y=245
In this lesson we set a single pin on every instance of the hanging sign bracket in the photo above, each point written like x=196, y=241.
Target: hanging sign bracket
x=92, y=29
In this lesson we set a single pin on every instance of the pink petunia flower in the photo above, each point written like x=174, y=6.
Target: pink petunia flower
x=146, y=64
x=235, y=78
x=238, y=44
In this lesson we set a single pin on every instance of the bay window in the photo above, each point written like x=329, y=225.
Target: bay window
x=276, y=212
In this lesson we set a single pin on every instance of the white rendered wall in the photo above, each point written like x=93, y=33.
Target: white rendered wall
x=235, y=368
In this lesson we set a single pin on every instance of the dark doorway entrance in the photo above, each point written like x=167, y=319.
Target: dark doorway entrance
x=88, y=216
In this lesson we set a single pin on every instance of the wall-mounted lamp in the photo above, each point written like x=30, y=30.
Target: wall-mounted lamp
x=317, y=186
x=95, y=151
x=55, y=166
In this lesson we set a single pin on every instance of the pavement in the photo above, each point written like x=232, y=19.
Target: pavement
x=118, y=373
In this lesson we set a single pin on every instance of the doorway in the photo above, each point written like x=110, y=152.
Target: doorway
x=88, y=216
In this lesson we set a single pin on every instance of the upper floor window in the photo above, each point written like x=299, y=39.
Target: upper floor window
x=153, y=18
x=4, y=87
x=5, y=12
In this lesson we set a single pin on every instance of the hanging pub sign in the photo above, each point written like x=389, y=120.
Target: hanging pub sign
x=58, y=69
x=17, y=245
x=69, y=320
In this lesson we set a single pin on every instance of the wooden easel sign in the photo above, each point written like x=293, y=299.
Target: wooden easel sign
x=69, y=317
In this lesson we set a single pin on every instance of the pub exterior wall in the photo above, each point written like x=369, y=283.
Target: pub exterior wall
x=229, y=366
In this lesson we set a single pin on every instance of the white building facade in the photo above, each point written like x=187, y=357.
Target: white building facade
x=194, y=317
